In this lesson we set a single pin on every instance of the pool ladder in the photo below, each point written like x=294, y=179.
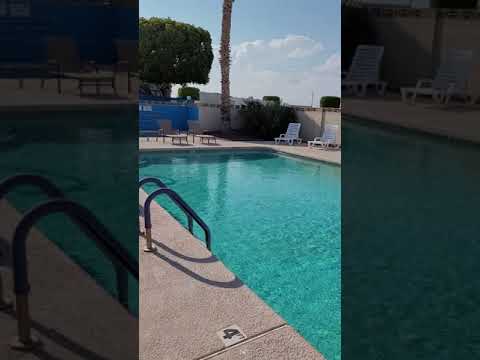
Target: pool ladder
x=182, y=204
x=87, y=222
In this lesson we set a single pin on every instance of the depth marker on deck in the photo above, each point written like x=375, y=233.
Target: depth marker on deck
x=231, y=335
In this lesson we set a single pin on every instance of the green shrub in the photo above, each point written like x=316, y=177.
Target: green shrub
x=274, y=99
x=330, y=102
x=189, y=91
x=266, y=121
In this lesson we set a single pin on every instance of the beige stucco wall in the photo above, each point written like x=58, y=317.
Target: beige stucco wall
x=421, y=38
x=406, y=40
x=210, y=118
x=463, y=34
x=311, y=120
x=311, y=124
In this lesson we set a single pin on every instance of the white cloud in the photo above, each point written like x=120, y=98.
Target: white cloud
x=287, y=67
x=332, y=65
x=297, y=46
x=300, y=53
x=291, y=46
x=246, y=48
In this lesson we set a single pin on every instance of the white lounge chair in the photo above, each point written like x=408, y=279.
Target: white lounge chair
x=450, y=80
x=291, y=136
x=365, y=71
x=329, y=138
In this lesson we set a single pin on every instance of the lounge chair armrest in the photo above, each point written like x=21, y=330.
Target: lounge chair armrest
x=424, y=83
x=282, y=136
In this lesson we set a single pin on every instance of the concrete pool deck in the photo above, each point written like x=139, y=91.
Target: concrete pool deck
x=328, y=156
x=33, y=98
x=187, y=295
x=425, y=116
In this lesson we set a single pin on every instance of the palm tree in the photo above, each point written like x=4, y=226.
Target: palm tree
x=225, y=62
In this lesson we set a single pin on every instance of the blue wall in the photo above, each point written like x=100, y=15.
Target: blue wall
x=94, y=29
x=177, y=114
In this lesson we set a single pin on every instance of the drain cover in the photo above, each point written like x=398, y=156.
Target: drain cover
x=231, y=335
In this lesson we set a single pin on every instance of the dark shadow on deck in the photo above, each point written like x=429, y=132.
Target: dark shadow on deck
x=59, y=339
x=210, y=259
x=233, y=284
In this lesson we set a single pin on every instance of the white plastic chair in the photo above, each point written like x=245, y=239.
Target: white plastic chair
x=450, y=80
x=329, y=138
x=365, y=71
x=291, y=136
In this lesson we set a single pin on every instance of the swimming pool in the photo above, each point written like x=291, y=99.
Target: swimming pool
x=275, y=222
x=92, y=157
x=410, y=244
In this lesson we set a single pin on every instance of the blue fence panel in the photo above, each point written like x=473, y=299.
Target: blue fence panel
x=91, y=27
x=151, y=114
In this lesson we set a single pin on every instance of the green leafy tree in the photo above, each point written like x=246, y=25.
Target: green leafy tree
x=172, y=52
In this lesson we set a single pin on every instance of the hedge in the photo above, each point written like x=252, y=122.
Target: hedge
x=266, y=121
x=274, y=99
x=189, y=91
x=330, y=102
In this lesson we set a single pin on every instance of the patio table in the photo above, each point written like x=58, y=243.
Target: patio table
x=179, y=138
x=149, y=134
x=22, y=71
x=207, y=138
x=97, y=79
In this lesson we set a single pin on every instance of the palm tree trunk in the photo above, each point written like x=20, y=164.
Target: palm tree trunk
x=225, y=62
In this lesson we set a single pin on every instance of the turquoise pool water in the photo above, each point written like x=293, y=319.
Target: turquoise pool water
x=275, y=222
x=410, y=244
x=92, y=157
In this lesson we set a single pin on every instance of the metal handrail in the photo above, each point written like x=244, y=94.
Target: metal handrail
x=34, y=180
x=182, y=205
x=8, y=185
x=152, y=180
x=160, y=184
x=92, y=227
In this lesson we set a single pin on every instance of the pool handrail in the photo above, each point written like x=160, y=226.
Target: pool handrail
x=91, y=227
x=9, y=184
x=183, y=206
x=160, y=184
x=38, y=181
x=152, y=180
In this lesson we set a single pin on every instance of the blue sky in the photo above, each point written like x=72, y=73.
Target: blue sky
x=279, y=47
